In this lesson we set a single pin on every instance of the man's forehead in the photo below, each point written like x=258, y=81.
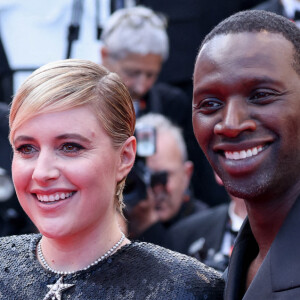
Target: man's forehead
x=246, y=45
x=243, y=57
x=243, y=39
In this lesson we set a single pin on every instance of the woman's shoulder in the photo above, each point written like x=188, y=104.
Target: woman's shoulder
x=177, y=268
x=19, y=239
x=11, y=246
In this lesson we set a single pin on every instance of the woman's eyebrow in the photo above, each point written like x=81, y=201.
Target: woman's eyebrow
x=22, y=138
x=75, y=136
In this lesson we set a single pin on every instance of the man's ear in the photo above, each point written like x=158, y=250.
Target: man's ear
x=188, y=170
x=105, y=57
x=127, y=157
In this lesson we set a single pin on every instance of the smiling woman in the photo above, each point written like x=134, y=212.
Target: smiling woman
x=71, y=128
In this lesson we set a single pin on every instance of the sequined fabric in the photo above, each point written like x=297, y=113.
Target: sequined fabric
x=135, y=271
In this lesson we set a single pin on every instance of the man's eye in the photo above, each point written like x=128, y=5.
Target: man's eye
x=263, y=96
x=260, y=95
x=132, y=73
x=26, y=149
x=151, y=75
x=71, y=147
x=209, y=106
x=212, y=104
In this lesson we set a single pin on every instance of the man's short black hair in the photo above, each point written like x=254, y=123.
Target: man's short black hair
x=256, y=21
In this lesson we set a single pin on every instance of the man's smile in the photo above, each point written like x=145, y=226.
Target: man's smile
x=236, y=155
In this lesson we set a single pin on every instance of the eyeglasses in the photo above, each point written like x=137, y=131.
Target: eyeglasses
x=137, y=19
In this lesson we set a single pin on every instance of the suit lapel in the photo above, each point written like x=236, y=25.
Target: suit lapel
x=285, y=253
x=244, y=247
x=280, y=269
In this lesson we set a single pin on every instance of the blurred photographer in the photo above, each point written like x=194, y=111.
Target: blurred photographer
x=12, y=218
x=135, y=46
x=168, y=198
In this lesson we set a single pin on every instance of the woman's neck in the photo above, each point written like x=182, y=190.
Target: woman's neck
x=77, y=252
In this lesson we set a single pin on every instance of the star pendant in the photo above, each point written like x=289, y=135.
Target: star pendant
x=56, y=289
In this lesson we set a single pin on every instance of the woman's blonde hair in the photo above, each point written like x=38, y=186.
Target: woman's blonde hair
x=66, y=84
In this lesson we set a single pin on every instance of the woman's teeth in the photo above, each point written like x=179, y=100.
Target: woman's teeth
x=54, y=197
x=235, y=155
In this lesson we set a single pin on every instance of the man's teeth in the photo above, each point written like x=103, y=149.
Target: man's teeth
x=243, y=154
x=53, y=197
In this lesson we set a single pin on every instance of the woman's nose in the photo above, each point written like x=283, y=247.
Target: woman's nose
x=45, y=168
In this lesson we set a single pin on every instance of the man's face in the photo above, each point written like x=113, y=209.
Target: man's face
x=246, y=112
x=138, y=72
x=169, y=198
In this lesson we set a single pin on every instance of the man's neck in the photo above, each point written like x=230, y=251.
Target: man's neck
x=266, y=219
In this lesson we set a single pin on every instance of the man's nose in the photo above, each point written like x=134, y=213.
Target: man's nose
x=142, y=84
x=235, y=119
x=45, y=168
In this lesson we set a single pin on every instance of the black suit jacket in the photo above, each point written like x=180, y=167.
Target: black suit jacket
x=274, y=6
x=209, y=224
x=169, y=101
x=279, y=275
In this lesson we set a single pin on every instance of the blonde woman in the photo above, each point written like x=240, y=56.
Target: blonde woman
x=71, y=128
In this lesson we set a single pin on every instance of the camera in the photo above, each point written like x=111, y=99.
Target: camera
x=140, y=178
x=208, y=256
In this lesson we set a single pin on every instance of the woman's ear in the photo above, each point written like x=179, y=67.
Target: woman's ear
x=127, y=158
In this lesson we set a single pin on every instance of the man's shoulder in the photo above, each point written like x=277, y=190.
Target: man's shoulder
x=201, y=218
x=171, y=102
x=208, y=224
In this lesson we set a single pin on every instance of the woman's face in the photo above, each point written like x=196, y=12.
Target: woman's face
x=65, y=171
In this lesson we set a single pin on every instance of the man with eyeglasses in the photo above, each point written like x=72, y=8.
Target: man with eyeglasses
x=135, y=45
x=169, y=199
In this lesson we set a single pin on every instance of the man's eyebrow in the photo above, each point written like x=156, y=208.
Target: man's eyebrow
x=255, y=80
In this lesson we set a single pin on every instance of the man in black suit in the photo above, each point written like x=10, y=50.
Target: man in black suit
x=246, y=110
x=209, y=235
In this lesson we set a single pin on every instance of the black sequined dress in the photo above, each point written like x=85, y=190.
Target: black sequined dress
x=136, y=271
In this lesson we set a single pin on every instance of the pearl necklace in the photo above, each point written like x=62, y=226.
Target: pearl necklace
x=57, y=288
x=109, y=252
